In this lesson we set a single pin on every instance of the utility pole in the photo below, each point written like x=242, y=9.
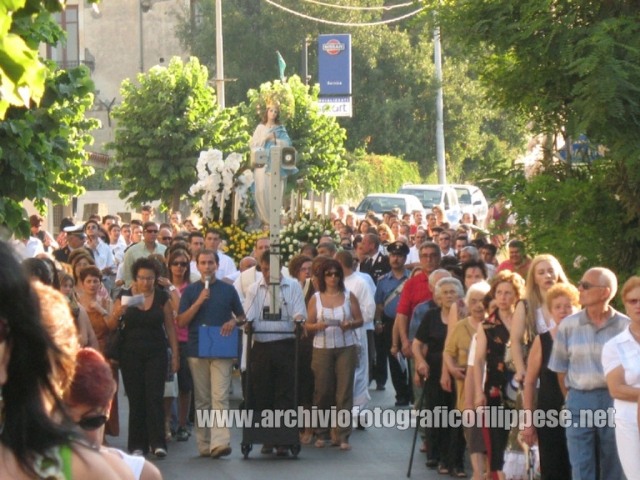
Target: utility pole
x=219, y=56
x=437, y=57
x=305, y=61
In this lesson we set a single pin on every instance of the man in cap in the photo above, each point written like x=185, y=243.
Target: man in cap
x=75, y=239
x=387, y=296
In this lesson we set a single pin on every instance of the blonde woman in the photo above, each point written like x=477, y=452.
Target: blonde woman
x=532, y=317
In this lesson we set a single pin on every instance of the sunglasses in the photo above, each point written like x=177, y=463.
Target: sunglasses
x=92, y=423
x=332, y=273
x=151, y=231
x=180, y=264
x=588, y=286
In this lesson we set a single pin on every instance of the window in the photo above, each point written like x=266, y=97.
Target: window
x=67, y=53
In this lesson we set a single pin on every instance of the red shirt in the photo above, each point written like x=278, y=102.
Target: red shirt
x=522, y=269
x=415, y=291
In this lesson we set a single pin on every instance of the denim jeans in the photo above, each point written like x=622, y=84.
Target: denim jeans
x=587, y=443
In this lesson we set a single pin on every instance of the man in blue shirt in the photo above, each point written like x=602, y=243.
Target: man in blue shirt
x=214, y=303
x=387, y=296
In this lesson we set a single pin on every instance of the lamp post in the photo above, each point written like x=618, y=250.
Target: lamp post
x=437, y=58
x=219, y=56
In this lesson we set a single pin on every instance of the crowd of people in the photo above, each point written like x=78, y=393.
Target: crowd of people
x=415, y=299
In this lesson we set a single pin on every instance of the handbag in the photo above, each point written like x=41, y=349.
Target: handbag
x=114, y=343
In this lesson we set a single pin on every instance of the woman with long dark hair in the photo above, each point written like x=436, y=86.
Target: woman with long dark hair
x=27, y=383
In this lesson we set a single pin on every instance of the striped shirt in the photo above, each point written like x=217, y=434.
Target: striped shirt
x=577, y=349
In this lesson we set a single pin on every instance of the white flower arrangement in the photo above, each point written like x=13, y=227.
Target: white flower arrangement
x=218, y=179
x=302, y=231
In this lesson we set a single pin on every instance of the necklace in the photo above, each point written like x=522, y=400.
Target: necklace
x=147, y=295
x=332, y=294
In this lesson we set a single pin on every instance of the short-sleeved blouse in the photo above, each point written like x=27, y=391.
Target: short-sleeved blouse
x=334, y=336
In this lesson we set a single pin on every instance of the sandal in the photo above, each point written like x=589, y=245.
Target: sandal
x=459, y=473
x=319, y=443
x=345, y=447
x=306, y=437
x=443, y=470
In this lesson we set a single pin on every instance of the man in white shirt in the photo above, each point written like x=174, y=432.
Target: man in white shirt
x=272, y=359
x=364, y=292
x=226, y=267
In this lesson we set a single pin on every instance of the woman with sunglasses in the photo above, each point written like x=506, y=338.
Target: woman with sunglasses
x=87, y=403
x=179, y=273
x=333, y=316
x=620, y=357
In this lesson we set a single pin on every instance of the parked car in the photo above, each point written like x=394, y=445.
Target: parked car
x=444, y=196
x=472, y=200
x=384, y=202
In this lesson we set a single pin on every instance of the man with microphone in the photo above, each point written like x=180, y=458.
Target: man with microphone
x=210, y=302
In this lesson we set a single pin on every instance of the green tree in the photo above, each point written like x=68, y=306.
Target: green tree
x=574, y=214
x=164, y=121
x=41, y=148
x=569, y=67
x=318, y=138
x=373, y=174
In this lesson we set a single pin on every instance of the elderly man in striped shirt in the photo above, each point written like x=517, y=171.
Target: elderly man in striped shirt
x=576, y=357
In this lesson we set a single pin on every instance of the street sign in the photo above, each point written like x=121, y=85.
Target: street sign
x=334, y=64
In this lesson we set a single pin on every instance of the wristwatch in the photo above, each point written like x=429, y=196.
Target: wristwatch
x=172, y=288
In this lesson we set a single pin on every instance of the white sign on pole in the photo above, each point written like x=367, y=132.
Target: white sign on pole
x=336, y=106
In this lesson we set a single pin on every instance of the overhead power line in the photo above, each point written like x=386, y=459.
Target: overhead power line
x=349, y=7
x=345, y=24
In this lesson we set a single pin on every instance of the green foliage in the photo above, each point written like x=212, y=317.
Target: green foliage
x=318, y=138
x=164, y=121
x=42, y=149
x=575, y=215
x=570, y=67
x=23, y=25
x=374, y=174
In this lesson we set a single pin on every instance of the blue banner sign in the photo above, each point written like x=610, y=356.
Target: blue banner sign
x=334, y=64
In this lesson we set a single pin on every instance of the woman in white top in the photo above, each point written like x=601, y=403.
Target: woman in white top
x=621, y=364
x=333, y=316
x=532, y=317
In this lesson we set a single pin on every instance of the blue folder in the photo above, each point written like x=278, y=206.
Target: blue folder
x=211, y=344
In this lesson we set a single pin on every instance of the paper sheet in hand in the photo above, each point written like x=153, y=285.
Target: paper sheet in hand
x=402, y=362
x=211, y=344
x=132, y=301
x=332, y=322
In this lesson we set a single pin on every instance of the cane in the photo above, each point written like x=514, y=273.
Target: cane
x=415, y=433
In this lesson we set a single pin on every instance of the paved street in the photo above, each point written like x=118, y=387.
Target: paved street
x=381, y=453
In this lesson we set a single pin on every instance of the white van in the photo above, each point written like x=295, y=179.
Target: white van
x=472, y=200
x=384, y=202
x=444, y=196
